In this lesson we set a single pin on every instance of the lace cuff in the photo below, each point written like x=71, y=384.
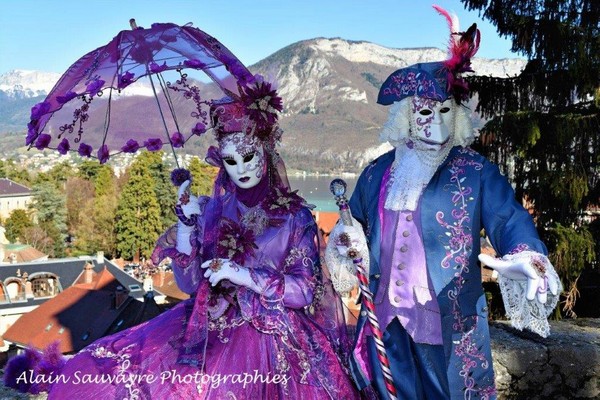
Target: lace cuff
x=523, y=313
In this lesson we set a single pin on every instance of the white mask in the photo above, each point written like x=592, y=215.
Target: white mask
x=243, y=159
x=432, y=121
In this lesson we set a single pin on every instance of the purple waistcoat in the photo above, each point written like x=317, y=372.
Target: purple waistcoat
x=405, y=290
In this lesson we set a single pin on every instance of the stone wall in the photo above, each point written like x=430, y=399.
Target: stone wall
x=565, y=365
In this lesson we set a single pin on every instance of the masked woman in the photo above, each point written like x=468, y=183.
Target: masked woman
x=261, y=322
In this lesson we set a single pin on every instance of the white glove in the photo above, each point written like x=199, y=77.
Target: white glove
x=218, y=269
x=523, y=268
x=355, y=239
x=189, y=206
x=188, y=203
x=341, y=268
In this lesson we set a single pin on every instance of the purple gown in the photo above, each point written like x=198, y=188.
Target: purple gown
x=229, y=342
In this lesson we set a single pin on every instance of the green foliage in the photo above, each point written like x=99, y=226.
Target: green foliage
x=166, y=194
x=544, y=127
x=203, y=177
x=573, y=250
x=51, y=214
x=17, y=174
x=138, y=215
x=104, y=182
x=15, y=225
x=57, y=175
x=89, y=170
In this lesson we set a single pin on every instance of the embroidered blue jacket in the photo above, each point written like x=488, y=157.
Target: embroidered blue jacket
x=465, y=195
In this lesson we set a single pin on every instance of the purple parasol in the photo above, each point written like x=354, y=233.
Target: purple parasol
x=135, y=93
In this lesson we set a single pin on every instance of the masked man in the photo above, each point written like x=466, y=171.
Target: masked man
x=421, y=208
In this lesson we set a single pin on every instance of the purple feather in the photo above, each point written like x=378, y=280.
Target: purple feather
x=19, y=365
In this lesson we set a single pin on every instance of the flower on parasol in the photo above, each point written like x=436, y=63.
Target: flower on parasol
x=63, y=146
x=84, y=150
x=131, y=146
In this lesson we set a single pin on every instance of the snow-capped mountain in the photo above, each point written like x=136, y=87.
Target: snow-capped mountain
x=22, y=83
x=329, y=87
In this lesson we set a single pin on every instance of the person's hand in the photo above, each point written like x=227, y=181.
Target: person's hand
x=348, y=238
x=525, y=268
x=219, y=269
x=187, y=203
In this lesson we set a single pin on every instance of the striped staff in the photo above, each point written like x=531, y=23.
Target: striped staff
x=338, y=188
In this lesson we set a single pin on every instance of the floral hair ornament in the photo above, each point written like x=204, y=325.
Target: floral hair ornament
x=438, y=80
x=254, y=112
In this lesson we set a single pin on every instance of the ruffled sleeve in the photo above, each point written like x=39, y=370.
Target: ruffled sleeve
x=524, y=313
x=513, y=235
x=186, y=268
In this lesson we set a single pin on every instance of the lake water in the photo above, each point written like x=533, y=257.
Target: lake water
x=315, y=189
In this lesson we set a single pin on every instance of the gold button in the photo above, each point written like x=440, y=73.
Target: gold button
x=404, y=249
x=409, y=217
x=397, y=299
x=405, y=233
x=399, y=283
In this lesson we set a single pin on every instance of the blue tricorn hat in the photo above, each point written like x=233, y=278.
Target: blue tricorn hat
x=429, y=80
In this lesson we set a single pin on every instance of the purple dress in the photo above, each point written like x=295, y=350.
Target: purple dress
x=230, y=342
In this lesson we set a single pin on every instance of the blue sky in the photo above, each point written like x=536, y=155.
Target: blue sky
x=49, y=35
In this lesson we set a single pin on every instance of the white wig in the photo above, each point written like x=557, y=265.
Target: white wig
x=397, y=128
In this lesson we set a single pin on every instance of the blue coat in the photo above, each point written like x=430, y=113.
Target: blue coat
x=465, y=195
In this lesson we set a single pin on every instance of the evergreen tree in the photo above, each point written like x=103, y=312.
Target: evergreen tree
x=203, y=177
x=51, y=215
x=89, y=170
x=138, y=218
x=544, y=129
x=166, y=193
x=16, y=224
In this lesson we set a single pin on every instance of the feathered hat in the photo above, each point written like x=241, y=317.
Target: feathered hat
x=436, y=80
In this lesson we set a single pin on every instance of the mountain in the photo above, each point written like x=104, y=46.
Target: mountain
x=330, y=86
x=331, y=120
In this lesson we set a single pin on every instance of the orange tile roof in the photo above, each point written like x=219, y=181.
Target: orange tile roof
x=67, y=317
x=168, y=286
x=326, y=220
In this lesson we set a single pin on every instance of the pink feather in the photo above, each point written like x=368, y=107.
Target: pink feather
x=462, y=46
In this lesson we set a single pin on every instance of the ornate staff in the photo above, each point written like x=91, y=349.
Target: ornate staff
x=338, y=188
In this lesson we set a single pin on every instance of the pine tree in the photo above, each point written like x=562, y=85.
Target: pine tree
x=138, y=223
x=544, y=129
x=49, y=206
x=166, y=193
